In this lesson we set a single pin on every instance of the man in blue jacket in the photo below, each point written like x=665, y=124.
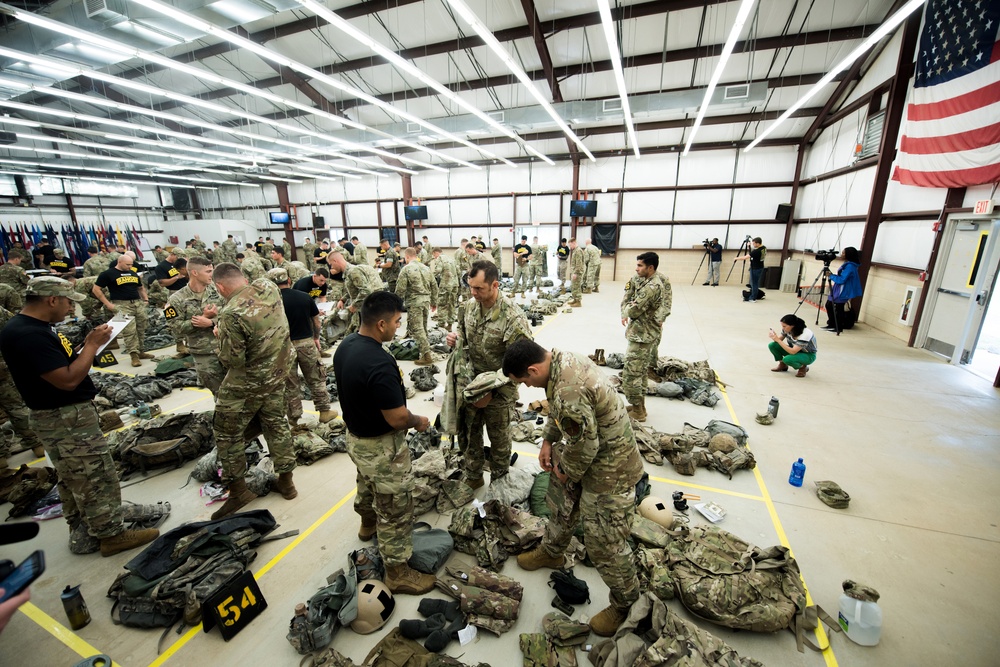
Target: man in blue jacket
x=844, y=286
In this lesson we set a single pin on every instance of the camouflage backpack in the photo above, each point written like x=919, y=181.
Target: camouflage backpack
x=167, y=440
x=726, y=580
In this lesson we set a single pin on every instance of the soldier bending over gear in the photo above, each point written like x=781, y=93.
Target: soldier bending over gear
x=593, y=471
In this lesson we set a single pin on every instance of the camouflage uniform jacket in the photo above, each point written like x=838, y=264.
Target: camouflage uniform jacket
x=486, y=335
x=287, y=247
x=462, y=262
x=416, y=285
x=13, y=275
x=11, y=298
x=228, y=253
x=537, y=255
x=266, y=250
x=643, y=298
x=295, y=270
x=252, y=267
x=497, y=253
x=593, y=254
x=309, y=249
x=359, y=282
x=391, y=274
x=254, y=342
x=577, y=261
x=600, y=451
x=663, y=312
x=85, y=286
x=360, y=255
x=446, y=273
x=160, y=255
x=95, y=266
x=199, y=245
x=185, y=304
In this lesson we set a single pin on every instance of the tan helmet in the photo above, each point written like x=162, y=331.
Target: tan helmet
x=722, y=442
x=375, y=605
x=657, y=510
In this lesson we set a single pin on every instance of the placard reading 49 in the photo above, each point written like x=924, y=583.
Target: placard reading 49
x=233, y=607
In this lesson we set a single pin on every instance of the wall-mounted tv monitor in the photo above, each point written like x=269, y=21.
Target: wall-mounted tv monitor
x=280, y=218
x=583, y=208
x=415, y=212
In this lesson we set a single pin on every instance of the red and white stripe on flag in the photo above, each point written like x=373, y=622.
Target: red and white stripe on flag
x=951, y=135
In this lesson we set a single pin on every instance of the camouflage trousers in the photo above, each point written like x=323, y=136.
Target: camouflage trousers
x=416, y=326
x=314, y=372
x=535, y=276
x=17, y=412
x=495, y=417
x=576, y=286
x=607, y=524
x=391, y=286
x=93, y=310
x=562, y=270
x=385, y=491
x=522, y=277
x=593, y=280
x=158, y=295
x=133, y=335
x=210, y=371
x=447, y=302
x=236, y=406
x=88, y=483
x=637, y=360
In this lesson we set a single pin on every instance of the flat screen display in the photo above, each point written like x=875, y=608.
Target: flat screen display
x=415, y=212
x=583, y=208
x=280, y=218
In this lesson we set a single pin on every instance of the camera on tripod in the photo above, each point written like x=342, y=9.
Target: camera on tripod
x=827, y=256
x=706, y=243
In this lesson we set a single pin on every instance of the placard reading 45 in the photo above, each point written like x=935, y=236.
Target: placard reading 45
x=233, y=607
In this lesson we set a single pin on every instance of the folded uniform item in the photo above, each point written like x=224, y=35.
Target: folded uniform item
x=831, y=494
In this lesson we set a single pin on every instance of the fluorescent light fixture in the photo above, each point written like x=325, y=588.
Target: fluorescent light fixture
x=882, y=31
x=276, y=178
x=727, y=50
x=484, y=33
x=8, y=120
x=405, y=65
x=604, y=8
x=51, y=165
x=38, y=174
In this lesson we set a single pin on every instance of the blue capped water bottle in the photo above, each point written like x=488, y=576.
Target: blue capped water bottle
x=798, y=473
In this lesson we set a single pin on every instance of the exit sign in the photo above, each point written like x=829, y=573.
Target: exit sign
x=983, y=207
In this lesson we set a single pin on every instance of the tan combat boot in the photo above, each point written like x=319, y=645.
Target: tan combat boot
x=606, y=623
x=135, y=359
x=601, y=360
x=182, y=351
x=146, y=355
x=596, y=290
x=575, y=303
x=113, y=345
x=328, y=415
x=127, y=539
x=38, y=451
x=285, y=486
x=536, y=558
x=638, y=411
x=426, y=360
x=475, y=482
x=239, y=495
x=368, y=528
x=404, y=579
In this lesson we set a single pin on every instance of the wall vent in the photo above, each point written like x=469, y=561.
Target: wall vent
x=740, y=92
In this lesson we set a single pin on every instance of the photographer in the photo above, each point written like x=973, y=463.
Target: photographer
x=757, y=254
x=844, y=286
x=794, y=347
x=714, y=251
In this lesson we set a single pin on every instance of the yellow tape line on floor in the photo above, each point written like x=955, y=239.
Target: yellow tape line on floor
x=59, y=631
x=179, y=644
x=828, y=656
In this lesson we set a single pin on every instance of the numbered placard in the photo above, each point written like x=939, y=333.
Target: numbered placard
x=105, y=359
x=234, y=606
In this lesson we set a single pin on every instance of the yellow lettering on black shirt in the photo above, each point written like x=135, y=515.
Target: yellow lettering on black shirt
x=67, y=346
x=315, y=292
x=127, y=280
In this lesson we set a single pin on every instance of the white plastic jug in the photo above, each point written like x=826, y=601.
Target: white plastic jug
x=860, y=620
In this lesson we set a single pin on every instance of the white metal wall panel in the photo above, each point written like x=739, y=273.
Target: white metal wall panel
x=903, y=198
x=360, y=215
x=848, y=194
x=644, y=236
x=707, y=168
x=652, y=170
x=826, y=235
x=775, y=163
x=647, y=206
x=702, y=205
x=904, y=243
x=883, y=69
x=758, y=203
x=541, y=208
x=834, y=148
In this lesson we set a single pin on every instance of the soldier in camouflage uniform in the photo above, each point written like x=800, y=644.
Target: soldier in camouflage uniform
x=10, y=298
x=447, y=278
x=309, y=248
x=158, y=253
x=265, y=253
x=95, y=264
x=295, y=270
x=198, y=244
x=54, y=381
x=13, y=405
x=390, y=265
x=496, y=252
x=191, y=315
x=250, y=265
x=639, y=309
x=255, y=348
x=593, y=261
x=227, y=251
x=662, y=313
x=589, y=448
x=128, y=297
x=360, y=255
x=371, y=391
x=288, y=250
x=577, y=269
x=90, y=307
x=359, y=281
x=12, y=274
x=535, y=272
x=522, y=266
x=487, y=325
x=418, y=290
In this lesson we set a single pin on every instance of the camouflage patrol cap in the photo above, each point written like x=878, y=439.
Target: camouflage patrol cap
x=278, y=276
x=53, y=286
x=482, y=384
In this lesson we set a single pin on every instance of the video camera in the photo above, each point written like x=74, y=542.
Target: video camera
x=827, y=256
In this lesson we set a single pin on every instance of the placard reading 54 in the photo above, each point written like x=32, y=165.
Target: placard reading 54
x=233, y=607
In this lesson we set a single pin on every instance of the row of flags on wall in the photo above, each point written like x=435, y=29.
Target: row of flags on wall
x=74, y=240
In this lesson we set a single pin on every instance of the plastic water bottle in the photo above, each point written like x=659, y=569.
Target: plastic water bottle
x=798, y=473
x=861, y=619
x=772, y=406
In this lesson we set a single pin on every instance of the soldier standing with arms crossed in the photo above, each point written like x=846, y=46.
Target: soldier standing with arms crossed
x=487, y=325
x=446, y=275
x=389, y=265
x=418, y=290
x=371, y=391
x=522, y=270
x=191, y=313
x=640, y=305
x=593, y=281
x=255, y=348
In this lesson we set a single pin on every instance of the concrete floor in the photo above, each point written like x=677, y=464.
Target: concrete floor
x=912, y=439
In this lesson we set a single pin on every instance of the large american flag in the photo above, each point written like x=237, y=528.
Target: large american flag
x=952, y=133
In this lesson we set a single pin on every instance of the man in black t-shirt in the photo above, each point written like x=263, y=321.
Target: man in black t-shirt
x=757, y=254
x=59, y=264
x=54, y=382
x=43, y=253
x=168, y=274
x=314, y=285
x=714, y=251
x=562, y=252
x=370, y=386
x=320, y=253
x=258, y=246
x=522, y=254
x=304, y=329
x=128, y=297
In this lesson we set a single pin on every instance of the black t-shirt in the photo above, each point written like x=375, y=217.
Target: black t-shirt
x=757, y=257
x=259, y=247
x=46, y=254
x=480, y=246
x=368, y=381
x=165, y=271
x=300, y=311
x=60, y=265
x=522, y=250
x=349, y=247
x=320, y=255
x=714, y=252
x=309, y=287
x=122, y=285
x=31, y=348
x=563, y=252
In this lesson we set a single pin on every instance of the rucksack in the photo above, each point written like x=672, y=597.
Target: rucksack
x=721, y=578
x=162, y=441
x=569, y=588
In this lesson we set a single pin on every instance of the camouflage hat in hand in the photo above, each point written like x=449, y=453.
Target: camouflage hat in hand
x=53, y=286
x=482, y=384
x=278, y=276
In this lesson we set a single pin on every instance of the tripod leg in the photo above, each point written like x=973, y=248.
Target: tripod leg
x=693, y=280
